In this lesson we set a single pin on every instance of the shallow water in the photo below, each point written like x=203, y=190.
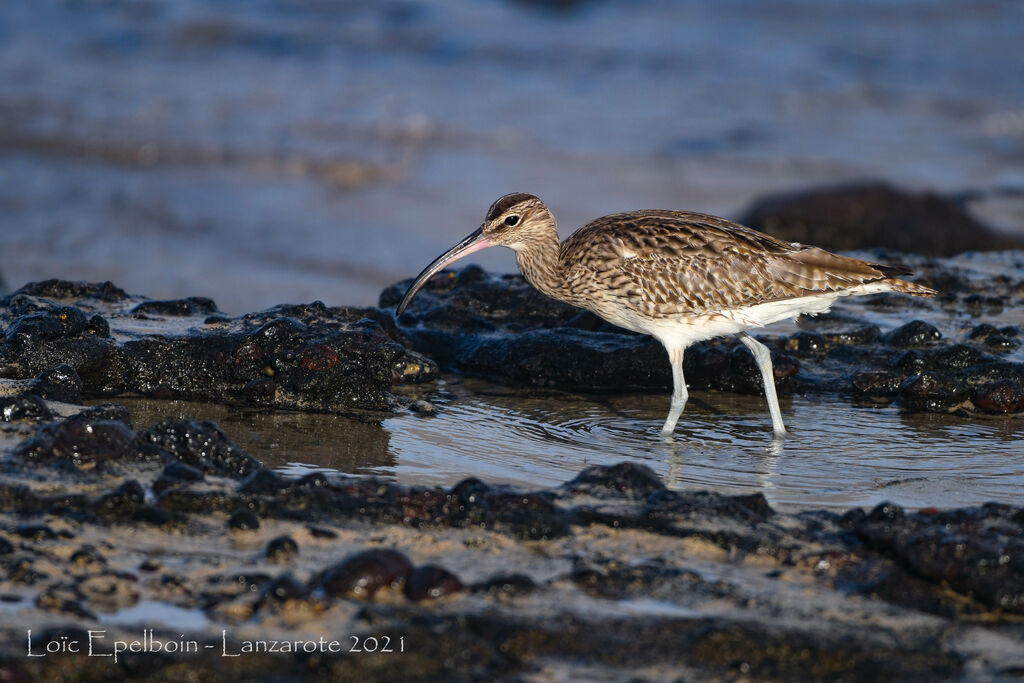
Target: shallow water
x=292, y=150
x=837, y=454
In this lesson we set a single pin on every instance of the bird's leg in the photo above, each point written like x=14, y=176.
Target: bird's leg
x=763, y=358
x=679, y=394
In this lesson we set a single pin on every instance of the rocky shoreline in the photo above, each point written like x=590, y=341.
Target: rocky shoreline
x=610, y=571
x=104, y=522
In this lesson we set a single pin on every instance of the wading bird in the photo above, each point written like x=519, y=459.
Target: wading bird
x=681, y=277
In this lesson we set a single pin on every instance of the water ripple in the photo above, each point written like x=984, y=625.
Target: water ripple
x=836, y=454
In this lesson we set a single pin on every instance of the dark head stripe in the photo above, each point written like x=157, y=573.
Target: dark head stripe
x=502, y=205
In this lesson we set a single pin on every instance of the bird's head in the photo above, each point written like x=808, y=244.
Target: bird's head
x=513, y=221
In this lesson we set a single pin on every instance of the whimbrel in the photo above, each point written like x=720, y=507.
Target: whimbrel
x=679, y=276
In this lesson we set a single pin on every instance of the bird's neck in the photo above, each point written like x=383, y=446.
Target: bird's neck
x=539, y=264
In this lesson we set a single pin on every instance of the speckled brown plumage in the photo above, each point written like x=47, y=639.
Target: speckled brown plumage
x=676, y=275
x=677, y=263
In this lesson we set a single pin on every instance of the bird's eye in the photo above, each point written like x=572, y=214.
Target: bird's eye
x=511, y=220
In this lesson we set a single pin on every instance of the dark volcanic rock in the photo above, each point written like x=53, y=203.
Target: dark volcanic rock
x=874, y=215
x=1001, y=396
x=24, y=407
x=103, y=434
x=193, y=305
x=625, y=480
x=35, y=532
x=779, y=609
x=282, y=549
x=978, y=552
x=182, y=472
x=883, y=383
x=59, y=383
x=507, y=584
x=282, y=589
x=363, y=574
x=428, y=582
x=63, y=289
x=933, y=392
x=82, y=440
x=308, y=357
x=203, y=446
x=263, y=481
x=244, y=520
x=914, y=333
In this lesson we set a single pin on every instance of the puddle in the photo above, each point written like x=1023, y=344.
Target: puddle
x=155, y=613
x=837, y=454
x=651, y=607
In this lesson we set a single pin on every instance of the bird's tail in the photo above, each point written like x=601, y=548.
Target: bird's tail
x=910, y=288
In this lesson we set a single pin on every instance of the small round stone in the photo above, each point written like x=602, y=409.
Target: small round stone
x=244, y=520
x=282, y=549
x=364, y=573
x=428, y=582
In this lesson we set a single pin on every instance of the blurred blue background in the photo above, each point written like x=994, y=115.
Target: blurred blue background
x=264, y=151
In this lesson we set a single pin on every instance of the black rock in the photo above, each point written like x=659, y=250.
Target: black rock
x=320, y=532
x=182, y=472
x=883, y=383
x=885, y=512
x=933, y=392
x=625, y=480
x=469, y=491
x=306, y=357
x=975, y=551
x=282, y=549
x=869, y=215
x=59, y=383
x=64, y=289
x=32, y=329
x=914, y=333
x=24, y=407
x=112, y=412
x=810, y=343
x=429, y=582
x=244, y=520
x=81, y=440
x=507, y=584
x=1000, y=396
x=202, y=445
x=176, y=473
x=263, y=481
x=193, y=305
x=364, y=573
x=35, y=532
x=1002, y=343
x=123, y=502
x=88, y=554
x=282, y=589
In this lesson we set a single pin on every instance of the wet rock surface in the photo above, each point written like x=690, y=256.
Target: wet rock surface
x=66, y=340
x=611, y=571
x=500, y=328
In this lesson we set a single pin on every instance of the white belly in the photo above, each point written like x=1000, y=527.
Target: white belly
x=681, y=331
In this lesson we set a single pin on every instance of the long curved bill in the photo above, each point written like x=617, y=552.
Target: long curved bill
x=474, y=242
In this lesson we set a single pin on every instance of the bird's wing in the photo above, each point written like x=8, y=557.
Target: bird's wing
x=673, y=262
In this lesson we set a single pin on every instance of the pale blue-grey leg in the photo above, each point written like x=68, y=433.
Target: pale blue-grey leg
x=763, y=358
x=679, y=393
